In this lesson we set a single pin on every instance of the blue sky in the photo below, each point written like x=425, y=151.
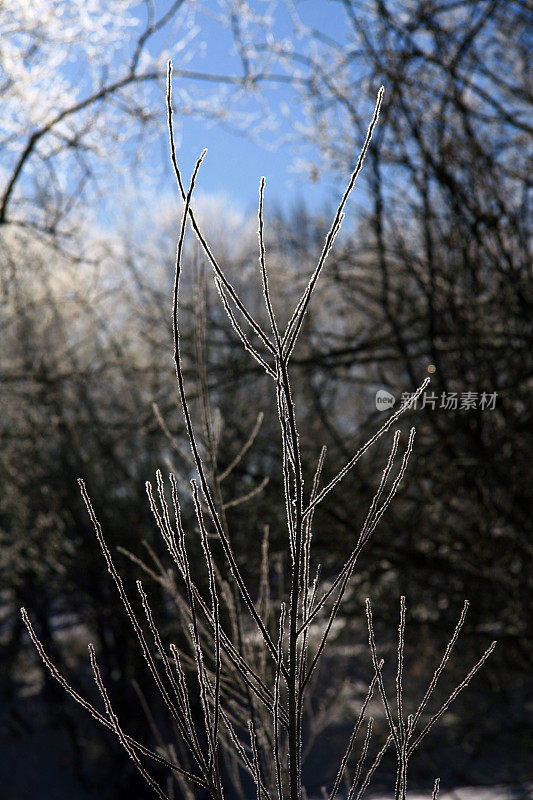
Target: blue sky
x=235, y=163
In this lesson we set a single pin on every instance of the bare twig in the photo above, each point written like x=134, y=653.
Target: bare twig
x=118, y=730
x=353, y=737
x=295, y=323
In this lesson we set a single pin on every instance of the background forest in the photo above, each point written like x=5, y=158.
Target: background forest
x=431, y=273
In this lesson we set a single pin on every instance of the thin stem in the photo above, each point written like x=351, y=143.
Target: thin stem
x=362, y=450
x=377, y=668
x=219, y=273
x=353, y=737
x=369, y=527
x=240, y=333
x=264, y=276
x=402, y=762
x=451, y=698
x=295, y=323
x=277, y=755
x=361, y=761
x=216, y=617
x=295, y=696
x=118, y=730
x=373, y=768
x=418, y=713
x=255, y=760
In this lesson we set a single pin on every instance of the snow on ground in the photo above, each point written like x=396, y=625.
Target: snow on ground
x=515, y=792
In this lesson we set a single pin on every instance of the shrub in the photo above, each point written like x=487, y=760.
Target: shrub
x=249, y=656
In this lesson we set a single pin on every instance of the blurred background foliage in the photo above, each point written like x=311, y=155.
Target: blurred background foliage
x=433, y=269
